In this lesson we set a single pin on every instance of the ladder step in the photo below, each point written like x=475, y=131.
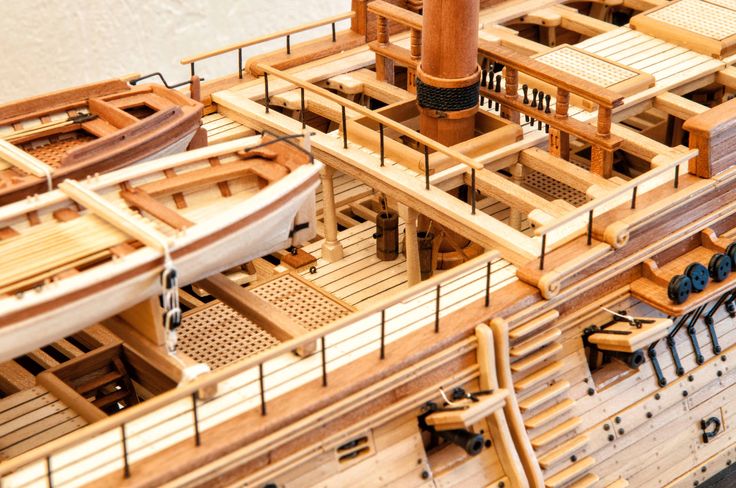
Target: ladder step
x=545, y=395
x=571, y=473
x=111, y=398
x=533, y=325
x=538, y=377
x=536, y=342
x=98, y=382
x=537, y=358
x=563, y=451
x=556, y=432
x=586, y=481
x=548, y=415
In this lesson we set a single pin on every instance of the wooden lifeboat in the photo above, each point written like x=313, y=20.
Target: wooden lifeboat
x=89, y=129
x=88, y=250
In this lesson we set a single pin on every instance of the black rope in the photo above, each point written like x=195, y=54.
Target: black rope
x=447, y=99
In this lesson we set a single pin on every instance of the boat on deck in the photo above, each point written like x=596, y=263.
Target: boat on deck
x=89, y=249
x=89, y=129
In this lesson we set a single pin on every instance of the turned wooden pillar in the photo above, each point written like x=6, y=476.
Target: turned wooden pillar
x=449, y=76
x=416, y=55
x=559, y=142
x=517, y=176
x=331, y=249
x=601, y=161
x=512, y=93
x=411, y=243
x=384, y=66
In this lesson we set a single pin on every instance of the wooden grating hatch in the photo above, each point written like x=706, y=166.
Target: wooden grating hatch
x=704, y=26
x=218, y=335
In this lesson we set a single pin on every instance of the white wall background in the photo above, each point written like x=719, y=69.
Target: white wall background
x=46, y=45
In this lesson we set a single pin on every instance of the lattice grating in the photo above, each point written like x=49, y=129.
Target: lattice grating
x=709, y=20
x=587, y=67
x=52, y=152
x=541, y=183
x=309, y=307
x=218, y=335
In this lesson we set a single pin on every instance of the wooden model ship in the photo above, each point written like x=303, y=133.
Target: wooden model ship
x=524, y=275
x=89, y=129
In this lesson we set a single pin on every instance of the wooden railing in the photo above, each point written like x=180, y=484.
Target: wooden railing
x=269, y=37
x=600, y=136
x=630, y=186
x=116, y=442
x=383, y=122
x=387, y=53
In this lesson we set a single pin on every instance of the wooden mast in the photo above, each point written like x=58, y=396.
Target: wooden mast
x=449, y=74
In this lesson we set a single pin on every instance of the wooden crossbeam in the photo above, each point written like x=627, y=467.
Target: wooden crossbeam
x=144, y=201
x=513, y=195
x=561, y=170
x=678, y=106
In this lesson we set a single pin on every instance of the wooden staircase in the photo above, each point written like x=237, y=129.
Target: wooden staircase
x=546, y=405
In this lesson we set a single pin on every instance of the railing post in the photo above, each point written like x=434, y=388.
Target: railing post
x=240, y=63
x=383, y=150
x=633, y=198
x=263, y=390
x=590, y=227
x=265, y=82
x=437, y=311
x=559, y=142
x=426, y=167
x=303, y=109
x=472, y=190
x=324, y=363
x=126, y=468
x=288, y=44
x=488, y=284
x=344, y=129
x=48, y=472
x=383, y=334
x=541, y=256
x=197, y=439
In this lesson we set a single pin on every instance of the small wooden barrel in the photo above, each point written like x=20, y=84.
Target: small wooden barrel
x=425, y=253
x=387, y=236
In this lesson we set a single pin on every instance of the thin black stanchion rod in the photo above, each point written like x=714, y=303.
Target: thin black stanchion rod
x=541, y=256
x=437, y=311
x=472, y=190
x=383, y=334
x=383, y=149
x=488, y=284
x=324, y=363
x=48, y=472
x=263, y=390
x=197, y=438
x=426, y=167
x=288, y=44
x=633, y=197
x=677, y=176
x=334, y=33
x=590, y=227
x=344, y=129
x=240, y=63
x=265, y=83
x=126, y=467
x=191, y=68
x=303, y=109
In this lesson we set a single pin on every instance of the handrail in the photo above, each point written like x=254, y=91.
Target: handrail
x=397, y=14
x=566, y=81
x=629, y=186
x=212, y=378
x=381, y=119
x=269, y=37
